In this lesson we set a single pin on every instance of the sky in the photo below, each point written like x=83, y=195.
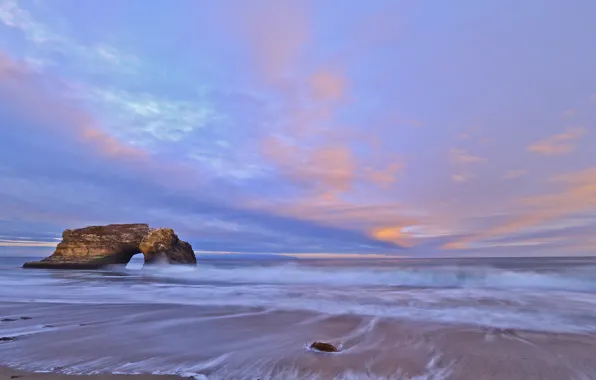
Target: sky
x=406, y=128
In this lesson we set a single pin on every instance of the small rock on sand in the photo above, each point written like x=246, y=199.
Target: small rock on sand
x=323, y=347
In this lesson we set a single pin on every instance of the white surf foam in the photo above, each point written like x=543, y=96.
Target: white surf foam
x=439, y=277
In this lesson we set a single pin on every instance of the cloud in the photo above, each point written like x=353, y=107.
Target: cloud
x=515, y=173
x=14, y=16
x=558, y=144
x=109, y=145
x=28, y=91
x=462, y=160
x=101, y=57
x=26, y=243
x=461, y=156
x=337, y=255
x=578, y=194
x=277, y=33
x=116, y=87
x=327, y=170
x=387, y=176
x=460, y=177
x=87, y=176
x=327, y=85
x=147, y=117
x=392, y=234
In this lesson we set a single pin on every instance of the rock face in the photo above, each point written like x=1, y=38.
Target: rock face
x=163, y=245
x=98, y=246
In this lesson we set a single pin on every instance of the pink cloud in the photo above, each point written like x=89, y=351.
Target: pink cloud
x=385, y=177
x=559, y=144
x=277, y=33
x=328, y=85
x=108, y=145
x=328, y=170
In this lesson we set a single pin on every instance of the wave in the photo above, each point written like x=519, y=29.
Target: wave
x=563, y=300
x=442, y=277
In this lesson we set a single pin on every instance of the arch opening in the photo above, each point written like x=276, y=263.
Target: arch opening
x=136, y=261
x=124, y=256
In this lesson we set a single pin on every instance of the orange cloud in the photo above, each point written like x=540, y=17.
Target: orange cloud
x=559, y=144
x=392, y=235
x=578, y=195
x=377, y=220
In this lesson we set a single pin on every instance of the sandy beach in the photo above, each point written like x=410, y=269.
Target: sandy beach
x=7, y=373
x=231, y=343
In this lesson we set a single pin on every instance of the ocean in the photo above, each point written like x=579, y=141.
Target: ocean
x=422, y=319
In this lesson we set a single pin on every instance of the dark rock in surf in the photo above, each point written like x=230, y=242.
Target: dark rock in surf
x=323, y=347
x=97, y=246
x=163, y=245
x=7, y=339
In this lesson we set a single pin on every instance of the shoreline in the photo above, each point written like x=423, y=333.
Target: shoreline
x=81, y=336
x=9, y=373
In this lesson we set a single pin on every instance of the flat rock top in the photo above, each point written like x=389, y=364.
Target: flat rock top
x=110, y=229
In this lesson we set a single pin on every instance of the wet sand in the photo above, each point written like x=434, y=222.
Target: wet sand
x=246, y=344
x=7, y=373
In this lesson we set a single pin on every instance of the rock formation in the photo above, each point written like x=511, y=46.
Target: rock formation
x=163, y=245
x=97, y=246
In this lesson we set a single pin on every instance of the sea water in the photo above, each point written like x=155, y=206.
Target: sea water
x=254, y=319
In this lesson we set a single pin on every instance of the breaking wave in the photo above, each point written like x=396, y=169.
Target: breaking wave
x=443, y=277
x=549, y=300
